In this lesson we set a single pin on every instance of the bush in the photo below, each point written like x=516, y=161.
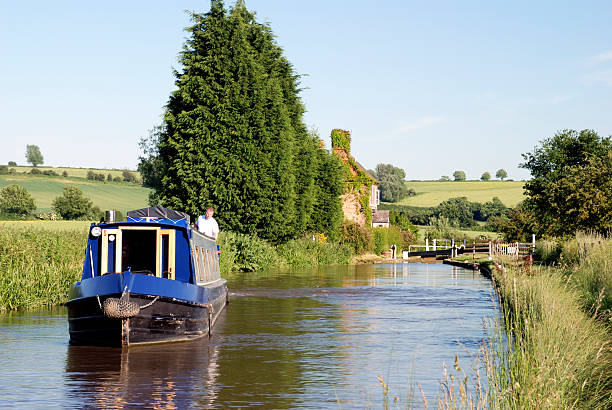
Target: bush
x=408, y=238
x=441, y=228
x=72, y=204
x=385, y=237
x=117, y=179
x=12, y=164
x=12, y=171
x=35, y=171
x=64, y=174
x=4, y=170
x=457, y=210
x=356, y=236
x=304, y=253
x=129, y=176
x=246, y=253
x=16, y=200
x=50, y=172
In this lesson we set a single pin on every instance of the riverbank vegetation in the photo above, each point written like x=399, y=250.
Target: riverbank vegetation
x=38, y=264
x=554, y=346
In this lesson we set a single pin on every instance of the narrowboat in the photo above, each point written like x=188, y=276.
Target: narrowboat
x=151, y=279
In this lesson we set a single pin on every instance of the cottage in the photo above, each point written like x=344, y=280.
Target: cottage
x=380, y=218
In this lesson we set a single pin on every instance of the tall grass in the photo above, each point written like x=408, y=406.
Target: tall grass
x=552, y=352
x=37, y=266
x=584, y=264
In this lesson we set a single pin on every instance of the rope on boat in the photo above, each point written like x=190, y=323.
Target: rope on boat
x=150, y=303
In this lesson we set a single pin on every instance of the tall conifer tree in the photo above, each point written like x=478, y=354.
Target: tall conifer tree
x=233, y=131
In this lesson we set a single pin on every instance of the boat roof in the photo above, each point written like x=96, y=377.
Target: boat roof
x=158, y=212
x=174, y=223
x=155, y=215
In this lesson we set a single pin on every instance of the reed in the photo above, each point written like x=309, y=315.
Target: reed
x=549, y=352
x=37, y=266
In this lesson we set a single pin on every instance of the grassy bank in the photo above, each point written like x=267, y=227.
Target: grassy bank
x=39, y=260
x=554, y=348
x=38, y=263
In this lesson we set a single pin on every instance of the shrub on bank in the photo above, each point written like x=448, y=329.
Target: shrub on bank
x=385, y=237
x=247, y=253
x=302, y=253
x=240, y=252
x=357, y=237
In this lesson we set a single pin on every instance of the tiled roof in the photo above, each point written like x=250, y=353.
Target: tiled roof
x=380, y=216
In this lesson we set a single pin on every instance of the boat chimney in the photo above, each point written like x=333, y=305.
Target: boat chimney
x=109, y=215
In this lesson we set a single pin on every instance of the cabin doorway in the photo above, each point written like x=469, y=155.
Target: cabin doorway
x=138, y=251
x=145, y=250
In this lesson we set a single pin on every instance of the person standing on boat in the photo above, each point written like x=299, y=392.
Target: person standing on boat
x=207, y=225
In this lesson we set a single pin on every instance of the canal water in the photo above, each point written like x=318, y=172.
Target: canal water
x=307, y=339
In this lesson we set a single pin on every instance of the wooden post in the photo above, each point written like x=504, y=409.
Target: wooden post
x=490, y=250
x=434, y=244
x=474, y=250
x=427, y=244
x=533, y=242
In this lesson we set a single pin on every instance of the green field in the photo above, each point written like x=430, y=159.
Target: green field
x=51, y=226
x=431, y=193
x=74, y=172
x=120, y=196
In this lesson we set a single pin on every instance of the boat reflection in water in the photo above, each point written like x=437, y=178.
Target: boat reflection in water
x=170, y=376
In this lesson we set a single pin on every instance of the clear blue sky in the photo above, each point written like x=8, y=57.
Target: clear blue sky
x=430, y=87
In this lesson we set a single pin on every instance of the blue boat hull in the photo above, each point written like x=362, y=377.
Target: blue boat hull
x=166, y=310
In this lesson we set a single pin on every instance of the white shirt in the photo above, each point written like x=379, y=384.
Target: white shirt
x=208, y=227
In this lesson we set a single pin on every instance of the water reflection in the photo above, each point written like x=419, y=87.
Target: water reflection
x=169, y=376
x=288, y=339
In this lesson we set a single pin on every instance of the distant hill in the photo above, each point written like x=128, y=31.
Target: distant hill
x=122, y=196
x=431, y=193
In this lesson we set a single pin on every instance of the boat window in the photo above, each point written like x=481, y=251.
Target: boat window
x=204, y=256
x=208, y=265
x=198, y=262
x=138, y=251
